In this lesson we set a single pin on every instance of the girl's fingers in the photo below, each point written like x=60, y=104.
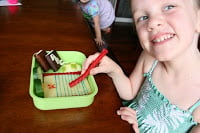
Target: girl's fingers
x=128, y=115
x=96, y=70
x=99, y=41
x=106, y=65
x=127, y=111
x=135, y=128
x=88, y=61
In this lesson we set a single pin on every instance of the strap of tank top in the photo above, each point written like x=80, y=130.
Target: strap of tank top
x=153, y=66
x=193, y=107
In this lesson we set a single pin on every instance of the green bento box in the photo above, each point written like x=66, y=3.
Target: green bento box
x=52, y=103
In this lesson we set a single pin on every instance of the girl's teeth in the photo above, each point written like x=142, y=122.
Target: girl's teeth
x=162, y=38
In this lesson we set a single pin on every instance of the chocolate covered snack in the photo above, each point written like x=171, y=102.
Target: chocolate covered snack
x=40, y=57
x=54, y=60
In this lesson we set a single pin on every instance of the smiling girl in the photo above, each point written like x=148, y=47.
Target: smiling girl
x=164, y=87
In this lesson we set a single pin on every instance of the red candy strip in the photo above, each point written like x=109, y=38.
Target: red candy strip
x=92, y=65
x=66, y=73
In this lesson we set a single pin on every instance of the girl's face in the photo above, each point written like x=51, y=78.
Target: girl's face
x=166, y=28
x=84, y=1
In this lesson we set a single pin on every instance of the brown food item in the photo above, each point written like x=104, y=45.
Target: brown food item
x=54, y=60
x=40, y=57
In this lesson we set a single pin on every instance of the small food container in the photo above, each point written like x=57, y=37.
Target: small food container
x=52, y=103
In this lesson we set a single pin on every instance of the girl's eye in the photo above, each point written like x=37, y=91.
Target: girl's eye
x=169, y=7
x=142, y=18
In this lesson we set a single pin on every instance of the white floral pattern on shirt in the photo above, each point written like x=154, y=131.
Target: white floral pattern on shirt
x=160, y=122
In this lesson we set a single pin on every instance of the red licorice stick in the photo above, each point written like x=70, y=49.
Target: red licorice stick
x=66, y=73
x=92, y=65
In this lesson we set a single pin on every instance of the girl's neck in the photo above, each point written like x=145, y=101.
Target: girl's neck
x=185, y=64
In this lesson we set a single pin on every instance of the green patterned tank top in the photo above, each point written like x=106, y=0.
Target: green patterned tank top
x=155, y=113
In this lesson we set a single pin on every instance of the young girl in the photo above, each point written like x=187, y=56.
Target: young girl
x=164, y=85
x=100, y=14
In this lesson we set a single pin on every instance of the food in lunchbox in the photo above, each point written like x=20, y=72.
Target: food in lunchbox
x=49, y=60
x=57, y=84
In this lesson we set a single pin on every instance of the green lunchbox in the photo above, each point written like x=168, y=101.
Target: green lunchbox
x=52, y=103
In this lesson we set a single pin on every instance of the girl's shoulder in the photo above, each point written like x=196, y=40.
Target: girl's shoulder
x=147, y=61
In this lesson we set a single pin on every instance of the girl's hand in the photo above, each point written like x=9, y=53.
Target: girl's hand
x=129, y=115
x=106, y=65
x=99, y=41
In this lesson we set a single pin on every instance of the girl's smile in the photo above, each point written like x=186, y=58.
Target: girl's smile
x=161, y=38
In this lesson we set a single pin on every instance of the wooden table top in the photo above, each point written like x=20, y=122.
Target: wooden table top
x=47, y=25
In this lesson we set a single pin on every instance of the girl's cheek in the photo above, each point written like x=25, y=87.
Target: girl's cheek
x=141, y=27
x=141, y=33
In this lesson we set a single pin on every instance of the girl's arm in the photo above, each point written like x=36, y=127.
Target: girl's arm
x=196, y=115
x=97, y=29
x=127, y=87
x=113, y=70
x=196, y=129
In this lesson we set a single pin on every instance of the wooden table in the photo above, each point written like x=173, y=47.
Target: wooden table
x=47, y=25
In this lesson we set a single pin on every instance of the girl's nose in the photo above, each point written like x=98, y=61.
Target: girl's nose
x=154, y=23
